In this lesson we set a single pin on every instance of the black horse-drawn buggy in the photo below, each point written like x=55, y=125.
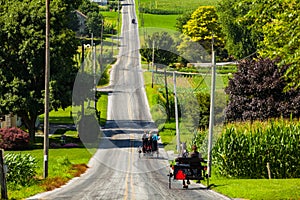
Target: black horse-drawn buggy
x=150, y=145
x=188, y=168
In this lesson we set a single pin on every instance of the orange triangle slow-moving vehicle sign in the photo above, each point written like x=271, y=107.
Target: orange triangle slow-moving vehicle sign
x=180, y=175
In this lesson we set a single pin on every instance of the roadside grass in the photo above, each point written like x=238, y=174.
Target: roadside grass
x=257, y=189
x=102, y=107
x=64, y=164
x=110, y=16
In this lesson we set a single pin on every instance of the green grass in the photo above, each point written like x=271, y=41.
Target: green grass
x=178, y=6
x=111, y=17
x=256, y=189
x=60, y=116
x=158, y=21
x=102, y=106
x=65, y=116
x=57, y=169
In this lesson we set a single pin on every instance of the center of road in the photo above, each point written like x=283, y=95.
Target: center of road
x=129, y=184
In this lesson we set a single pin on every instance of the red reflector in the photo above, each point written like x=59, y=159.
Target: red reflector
x=180, y=175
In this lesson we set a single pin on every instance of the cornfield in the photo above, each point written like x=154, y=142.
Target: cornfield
x=245, y=152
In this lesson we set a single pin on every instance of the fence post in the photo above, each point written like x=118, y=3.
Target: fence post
x=2, y=177
x=269, y=170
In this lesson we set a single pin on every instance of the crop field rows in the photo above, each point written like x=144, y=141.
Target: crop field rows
x=174, y=7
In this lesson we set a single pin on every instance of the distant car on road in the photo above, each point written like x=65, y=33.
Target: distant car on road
x=133, y=21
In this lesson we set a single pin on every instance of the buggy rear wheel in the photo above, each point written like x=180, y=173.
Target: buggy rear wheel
x=170, y=180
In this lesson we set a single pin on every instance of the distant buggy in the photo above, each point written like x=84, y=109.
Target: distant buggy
x=149, y=146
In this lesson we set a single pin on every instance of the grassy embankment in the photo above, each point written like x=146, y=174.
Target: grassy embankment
x=234, y=188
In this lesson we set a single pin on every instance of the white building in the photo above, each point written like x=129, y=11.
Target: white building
x=8, y=121
x=100, y=2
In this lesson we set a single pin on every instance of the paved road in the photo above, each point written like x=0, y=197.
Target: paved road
x=116, y=170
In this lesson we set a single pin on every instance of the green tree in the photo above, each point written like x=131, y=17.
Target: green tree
x=203, y=27
x=164, y=49
x=88, y=6
x=182, y=20
x=22, y=58
x=270, y=28
x=279, y=23
x=191, y=51
x=94, y=23
x=241, y=40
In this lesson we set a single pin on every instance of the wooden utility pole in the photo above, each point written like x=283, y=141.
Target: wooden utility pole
x=101, y=48
x=94, y=67
x=47, y=77
x=81, y=124
x=167, y=96
x=118, y=23
x=2, y=176
x=152, y=63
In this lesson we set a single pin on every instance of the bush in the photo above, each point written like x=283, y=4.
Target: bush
x=257, y=92
x=21, y=168
x=13, y=139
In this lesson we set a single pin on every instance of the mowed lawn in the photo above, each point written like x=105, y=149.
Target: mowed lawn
x=159, y=21
x=257, y=189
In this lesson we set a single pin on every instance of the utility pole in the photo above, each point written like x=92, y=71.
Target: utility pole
x=152, y=62
x=112, y=44
x=118, y=23
x=94, y=67
x=167, y=96
x=212, y=105
x=176, y=115
x=2, y=176
x=101, y=47
x=47, y=77
x=81, y=124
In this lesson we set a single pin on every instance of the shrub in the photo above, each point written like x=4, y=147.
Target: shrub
x=21, y=168
x=257, y=92
x=70, y=145
x=13, y=138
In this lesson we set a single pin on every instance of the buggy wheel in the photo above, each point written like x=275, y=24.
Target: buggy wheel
x=169, y=180
x=207, y=181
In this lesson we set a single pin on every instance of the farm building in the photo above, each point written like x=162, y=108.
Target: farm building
x=8, y=121
x=100, y=2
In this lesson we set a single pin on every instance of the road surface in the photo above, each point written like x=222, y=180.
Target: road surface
x=116, y=170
